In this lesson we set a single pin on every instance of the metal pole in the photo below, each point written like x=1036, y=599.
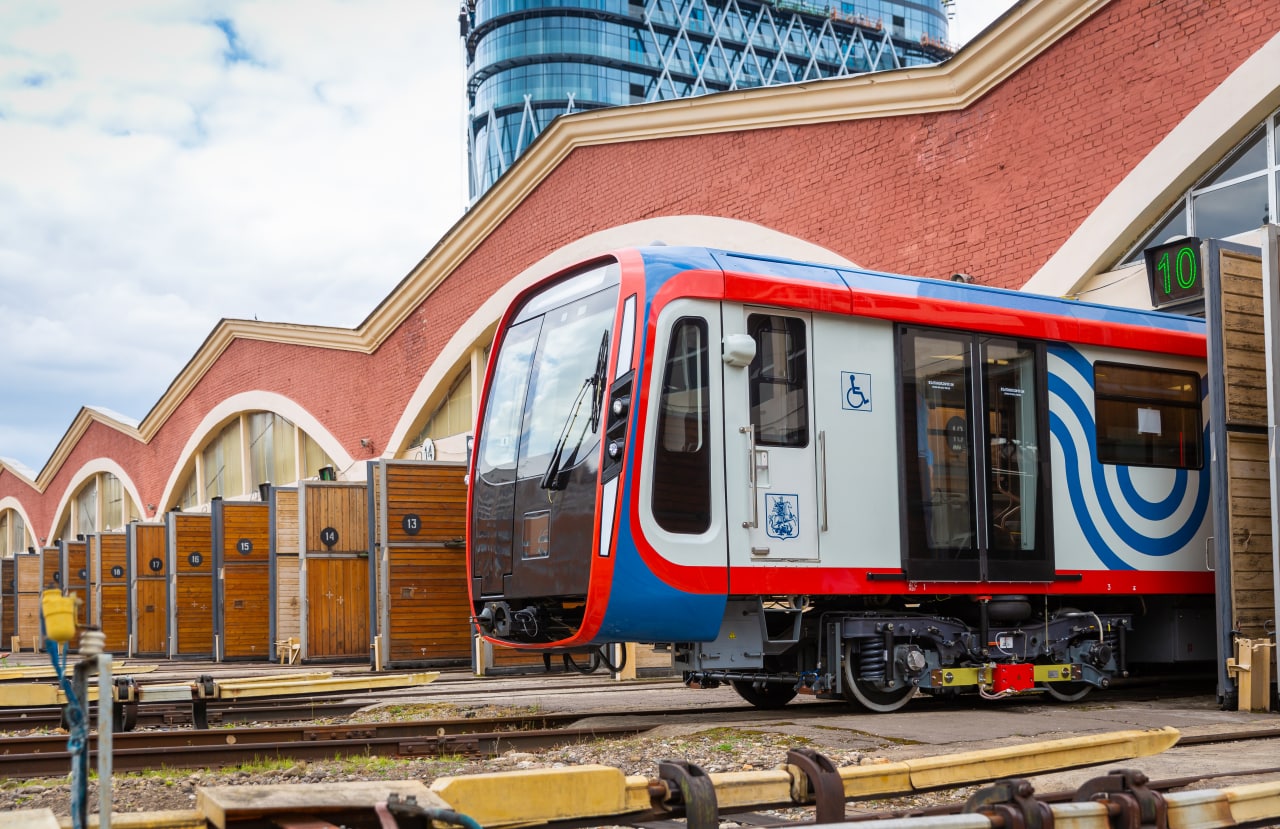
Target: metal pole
x=106, y=724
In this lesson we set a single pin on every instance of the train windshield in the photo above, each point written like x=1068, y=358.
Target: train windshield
x=537, y=465
x=547, y=386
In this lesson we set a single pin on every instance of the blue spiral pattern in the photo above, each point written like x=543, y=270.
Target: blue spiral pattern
x=1128, y=496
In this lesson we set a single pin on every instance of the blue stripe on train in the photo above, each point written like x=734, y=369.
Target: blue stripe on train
x=1132, y=500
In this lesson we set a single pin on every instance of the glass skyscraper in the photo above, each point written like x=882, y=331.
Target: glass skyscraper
x=529, y=61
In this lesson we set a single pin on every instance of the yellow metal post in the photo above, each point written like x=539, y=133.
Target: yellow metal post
x=627, y=652
x=1251, y=668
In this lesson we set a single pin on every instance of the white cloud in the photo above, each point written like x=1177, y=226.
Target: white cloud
x=972, y=16
x=167, y=163
x=171, y=163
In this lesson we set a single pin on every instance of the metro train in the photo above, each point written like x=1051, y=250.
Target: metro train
x=802, y=478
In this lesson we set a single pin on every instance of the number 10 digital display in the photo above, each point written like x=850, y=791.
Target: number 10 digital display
x=1174, y=273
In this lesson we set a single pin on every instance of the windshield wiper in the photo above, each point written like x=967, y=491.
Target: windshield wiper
x=551, y=479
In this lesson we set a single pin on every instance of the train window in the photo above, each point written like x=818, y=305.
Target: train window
x=779, y=380
x=682, y=463
x=935, y=378
x=1009, y=372
x=1147, y=416
x=506, y=397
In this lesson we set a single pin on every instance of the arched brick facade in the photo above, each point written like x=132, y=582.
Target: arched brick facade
x=992, y=189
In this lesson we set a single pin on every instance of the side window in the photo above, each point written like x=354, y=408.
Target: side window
x=682, y=457
x=779, y=381
x=1147, y=416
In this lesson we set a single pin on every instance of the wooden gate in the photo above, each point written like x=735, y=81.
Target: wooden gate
x=149, y=575
x=110, y=558
x=419, y=511
x=333, y=517
x=50, y=577
x=1241, y=477
x=8, y=600
x=287, y=566
x=75, y=571
x=242, y=553
x=51, y=567
x=28, y=582
x=189, y=550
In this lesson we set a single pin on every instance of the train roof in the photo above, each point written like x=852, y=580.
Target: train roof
x=670, y=260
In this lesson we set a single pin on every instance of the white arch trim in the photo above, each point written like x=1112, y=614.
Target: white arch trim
x=84, y=473
x=708, y=231
x=8, y=502
x=255, y=401
x=1213, y=127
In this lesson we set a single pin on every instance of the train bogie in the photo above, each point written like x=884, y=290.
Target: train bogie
x=839, y=482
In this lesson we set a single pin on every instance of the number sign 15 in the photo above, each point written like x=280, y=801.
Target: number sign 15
x=1174, y=273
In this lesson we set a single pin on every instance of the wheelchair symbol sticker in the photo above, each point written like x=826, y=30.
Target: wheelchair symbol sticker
x=855, y=390
x=782, y=516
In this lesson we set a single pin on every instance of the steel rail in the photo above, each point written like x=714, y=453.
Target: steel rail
x=169, y=714
x=37, y=764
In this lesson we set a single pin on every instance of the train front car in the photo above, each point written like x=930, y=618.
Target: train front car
x=536, y=462
x=547, y=534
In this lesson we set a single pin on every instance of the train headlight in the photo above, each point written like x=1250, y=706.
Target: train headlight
x=615, y=449
x=620, y=405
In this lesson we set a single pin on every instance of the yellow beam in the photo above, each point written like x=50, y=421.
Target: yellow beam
x=269, y=678
x=537, y=795
x=31, y=695
x=1036, y=758
x=966, y=677
x=47, y=672
x=356, y=682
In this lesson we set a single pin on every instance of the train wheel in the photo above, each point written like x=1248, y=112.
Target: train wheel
x=767, y=695
x=872, y=695
x=876, y=699
x=1067, y=691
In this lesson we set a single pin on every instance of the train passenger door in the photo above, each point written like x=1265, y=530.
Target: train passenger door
x=770, y=444
x=974, y=449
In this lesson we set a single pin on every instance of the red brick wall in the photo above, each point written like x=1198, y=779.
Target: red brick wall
x=993, y=191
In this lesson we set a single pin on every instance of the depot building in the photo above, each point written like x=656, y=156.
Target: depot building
x=1046, y=155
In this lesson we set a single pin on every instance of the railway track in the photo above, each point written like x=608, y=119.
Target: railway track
x=26, y=757
x=510, y=691
x=45, y=755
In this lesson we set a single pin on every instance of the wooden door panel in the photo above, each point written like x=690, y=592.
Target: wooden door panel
x=148, y=573
x=337, y=607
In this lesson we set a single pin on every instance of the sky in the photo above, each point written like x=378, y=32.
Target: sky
x=165, y=164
